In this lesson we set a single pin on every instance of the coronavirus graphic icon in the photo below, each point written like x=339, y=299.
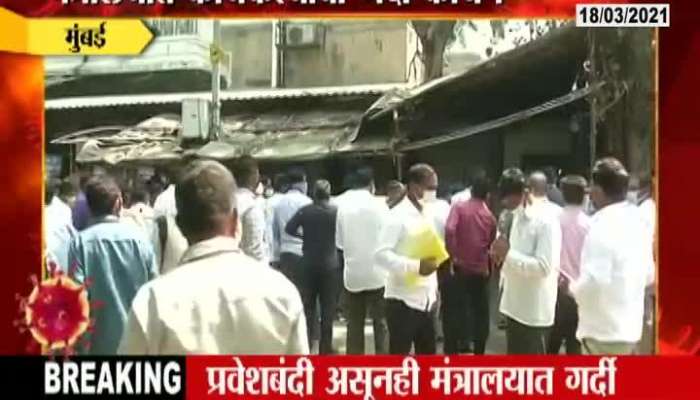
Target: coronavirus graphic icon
x=56, y=312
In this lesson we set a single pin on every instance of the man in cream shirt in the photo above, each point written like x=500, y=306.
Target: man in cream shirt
x=617, y=265
x=214, y=302
x=530, y=259
x=252, y=213
x=411, y=286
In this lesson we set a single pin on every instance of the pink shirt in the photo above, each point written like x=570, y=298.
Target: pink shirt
x=574, y=227
x=470, y=230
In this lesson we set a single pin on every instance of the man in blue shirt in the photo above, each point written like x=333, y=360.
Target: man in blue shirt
x=290, y=247
x=115, y=257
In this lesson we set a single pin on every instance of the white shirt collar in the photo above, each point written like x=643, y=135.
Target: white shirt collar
x=209, y=247
x=246, y=190
x=407, y=206
x=612, y=209
x=570, y=208
x=56, y=202
x=525, y=212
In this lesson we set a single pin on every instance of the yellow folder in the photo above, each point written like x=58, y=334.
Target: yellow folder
x=423, y=242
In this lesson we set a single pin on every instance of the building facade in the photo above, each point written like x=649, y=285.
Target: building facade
x=177, y=60
x=315, y=53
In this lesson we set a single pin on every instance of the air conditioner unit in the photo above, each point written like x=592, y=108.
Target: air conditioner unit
x=304, y=35
x=195, y=119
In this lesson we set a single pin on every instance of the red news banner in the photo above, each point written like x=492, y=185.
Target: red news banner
x=440, y=377
x=358, y=8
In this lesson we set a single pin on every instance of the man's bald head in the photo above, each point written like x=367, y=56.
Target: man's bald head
x=537, y=182
x=206, y=205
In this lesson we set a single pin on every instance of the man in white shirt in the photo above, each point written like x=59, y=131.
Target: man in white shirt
x=290, y=247
x=395, y=192
x=170, y=244
x=461, y=196
x=538, y=186
x=165, y=202
x=553, y=193
x=350, y=185
x=140, y=213
x=411, y=286
x=58, y=221
x=530, y=267
x=616, y=266
x=272, y=196
x=252, y=215
x=359, y=222
x=219, y=301
x=466, y=193
x=63, y=200
x=439, y=209
x=647, y=207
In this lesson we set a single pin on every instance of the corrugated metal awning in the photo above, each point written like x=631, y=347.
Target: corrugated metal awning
x=93, y=152
x=514, y=70
x=500, y=122
x=159, y=128
x=265, y=136
x=226, y=95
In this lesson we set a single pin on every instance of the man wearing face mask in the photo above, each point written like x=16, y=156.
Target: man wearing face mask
x=118, y=259
x=411, y=286
x=251, y=212
x=530, y=266
x=290, y=247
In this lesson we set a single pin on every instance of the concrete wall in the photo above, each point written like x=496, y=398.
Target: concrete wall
x=353, y=52
x=250, y=46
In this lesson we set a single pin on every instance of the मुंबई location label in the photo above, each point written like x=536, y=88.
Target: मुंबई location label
x=64, y=36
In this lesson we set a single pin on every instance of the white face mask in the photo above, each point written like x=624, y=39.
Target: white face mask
x=429, y=196
x=259, y=189
x=269, y=192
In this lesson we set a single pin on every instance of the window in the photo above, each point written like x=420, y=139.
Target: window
x=173, y=27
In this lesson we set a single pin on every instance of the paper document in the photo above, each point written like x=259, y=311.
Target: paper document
x=423, y=243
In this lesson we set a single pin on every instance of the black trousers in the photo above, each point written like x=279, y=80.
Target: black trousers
x=465, y=310
x=565, y=325
x=319, y=291
x=525, y=339
x=357, y=305
x=291, y=265
x=409, y=327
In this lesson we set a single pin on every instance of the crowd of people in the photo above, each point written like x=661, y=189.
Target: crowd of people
x=250, y=265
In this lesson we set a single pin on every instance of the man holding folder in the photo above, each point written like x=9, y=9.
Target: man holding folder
x=410, y=251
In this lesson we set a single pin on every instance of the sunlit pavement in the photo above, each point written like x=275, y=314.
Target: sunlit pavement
x=495, y=345
x=497, y=338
